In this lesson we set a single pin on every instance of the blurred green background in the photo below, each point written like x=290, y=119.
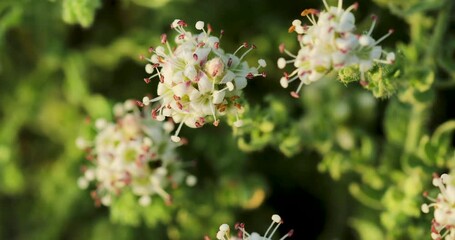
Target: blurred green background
x=336, y=164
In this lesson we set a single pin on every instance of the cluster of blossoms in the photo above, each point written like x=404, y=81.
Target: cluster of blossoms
x=224, y=232
x=329, y=43
x=198, y=81
x=443, y=224
x=132, y=154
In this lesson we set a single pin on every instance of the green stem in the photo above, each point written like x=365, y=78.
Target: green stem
x=414, y=127
x=416, y=121
x=439, y=32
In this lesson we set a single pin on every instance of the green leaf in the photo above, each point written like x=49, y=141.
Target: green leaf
x=80, y=11
x=98, y=107
x=367, y=230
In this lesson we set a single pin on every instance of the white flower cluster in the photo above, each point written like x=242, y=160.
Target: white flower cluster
x=329, y=43
x=133, y=154
x=224, y=231
x=443, y=224
x=198, y=81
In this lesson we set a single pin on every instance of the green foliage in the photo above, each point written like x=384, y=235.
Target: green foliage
x=379, y=139
x=80, y=11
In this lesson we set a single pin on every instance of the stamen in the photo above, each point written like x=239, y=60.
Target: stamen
x=340, y=6
x=163, y=38
x=326, y=5
x=238, y=49
x=373, y=24
x=289, y=234
x=384, y=37
x=175, y=137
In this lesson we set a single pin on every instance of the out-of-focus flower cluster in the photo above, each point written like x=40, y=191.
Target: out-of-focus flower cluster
x=198, y=81
x=224, y=232
x=444, y=208
x=135, y=154
x=329, y=43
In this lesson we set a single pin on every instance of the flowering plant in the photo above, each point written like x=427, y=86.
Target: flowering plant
x=329, y=43
x=198, y=81
x=133, y=154
x=359, y=153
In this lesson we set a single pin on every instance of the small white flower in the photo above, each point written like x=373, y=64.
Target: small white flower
x=133, y=153
x=198, y=81
x=329, y=43
x=444, y=208
x=224, y=231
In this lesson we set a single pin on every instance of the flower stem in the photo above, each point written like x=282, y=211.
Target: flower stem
x=439, y=32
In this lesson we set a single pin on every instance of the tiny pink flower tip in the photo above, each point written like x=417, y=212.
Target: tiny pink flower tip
x=290, y=233
x=374, y=17
x=154, y=114
x=209, y=27
x=236, y=226
x=195, y=57
x=139, y=103
x=163, y=38
x=151, y=49
x=249, y=76
x=216, y=123
x=141, y=57
x=281, y=48
x=294, y=94
x=206, y=237
x=245, y=44
x=182, y=23
x=355, y=6
x=264, y=74
x=216, y=45
x=433, y=227
x=425, y=194
x=147, y=80
x=253, y=46
x=391, y=30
